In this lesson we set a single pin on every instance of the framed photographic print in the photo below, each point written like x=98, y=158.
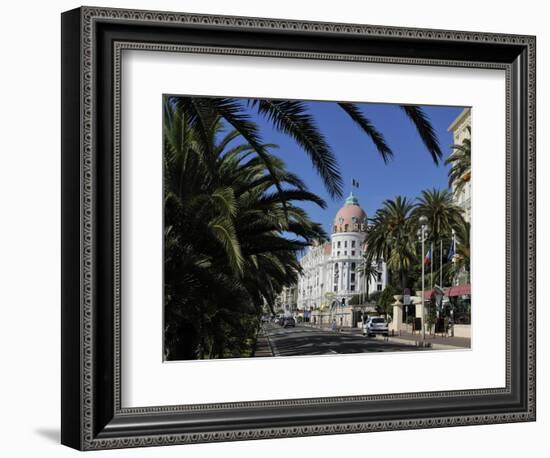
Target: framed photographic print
x=277, y=228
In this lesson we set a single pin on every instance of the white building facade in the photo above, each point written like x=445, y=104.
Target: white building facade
x=332, y=271
x=459, y=128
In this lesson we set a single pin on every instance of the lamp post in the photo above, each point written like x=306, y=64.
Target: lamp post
x=453, y=260
x=423, y=227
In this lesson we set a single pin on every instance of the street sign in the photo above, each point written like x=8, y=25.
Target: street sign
x=406, y=296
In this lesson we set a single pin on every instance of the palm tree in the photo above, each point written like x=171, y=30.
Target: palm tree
x=461, y=163
x=442, y=213
x=225, y=217
x=443, y=216
x=292, y=118
x=392, y=237
x=368, y=270
x=461, y=260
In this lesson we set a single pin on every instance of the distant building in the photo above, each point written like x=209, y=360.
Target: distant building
x=332, y=271
x=459, y=129
x=287, y=299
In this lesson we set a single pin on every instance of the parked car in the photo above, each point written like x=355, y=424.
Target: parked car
x=374, y=326
x=289, y=322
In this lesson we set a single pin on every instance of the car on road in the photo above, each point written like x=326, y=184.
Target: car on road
x=289, y=322
x=375, y=325
x=276, y=319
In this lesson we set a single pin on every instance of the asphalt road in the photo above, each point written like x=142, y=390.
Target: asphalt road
x=303, y=340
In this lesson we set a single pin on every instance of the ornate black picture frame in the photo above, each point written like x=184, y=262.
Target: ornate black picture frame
x=92, y=415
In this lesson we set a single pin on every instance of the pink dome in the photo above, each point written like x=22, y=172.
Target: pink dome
x=351, y=217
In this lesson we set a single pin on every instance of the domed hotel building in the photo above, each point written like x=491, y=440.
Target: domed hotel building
x=333, y=272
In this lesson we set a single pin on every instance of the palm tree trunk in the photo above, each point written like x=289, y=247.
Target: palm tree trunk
x=403, y=277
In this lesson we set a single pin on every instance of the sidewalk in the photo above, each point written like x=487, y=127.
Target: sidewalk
x=435, y=342
x=263, y=349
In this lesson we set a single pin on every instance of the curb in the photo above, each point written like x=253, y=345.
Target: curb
x=433, y=346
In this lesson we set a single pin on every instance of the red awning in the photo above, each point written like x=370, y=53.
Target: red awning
x=427, y=294
x=453, y=291
x=459, y=290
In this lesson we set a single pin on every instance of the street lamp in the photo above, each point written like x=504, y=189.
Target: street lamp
x=423, y=229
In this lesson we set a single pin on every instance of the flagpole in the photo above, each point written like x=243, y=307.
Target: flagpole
x=454, y=251
x=423, y=222
x=441, y=263
x=432, y=265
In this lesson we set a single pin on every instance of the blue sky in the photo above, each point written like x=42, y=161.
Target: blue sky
x=410, y=171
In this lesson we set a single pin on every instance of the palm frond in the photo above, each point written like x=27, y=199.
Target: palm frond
x=292, y=118
x=366, y=126
x=425, y=130
x=224, y=232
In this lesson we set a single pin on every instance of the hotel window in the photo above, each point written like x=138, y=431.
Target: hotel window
x=338, y=244
x=335, y=288
x=352, y=278
x=378, y=287
x=345, y=252
x=352, y=288
x=353, y=243
x=352, y=265
x=346, y=244
x=353, y=252
x=379, y=276
x=337, y=253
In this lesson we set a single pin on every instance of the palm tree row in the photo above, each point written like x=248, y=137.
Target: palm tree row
x=233, y=226
x=231, y=236
x=393, y=234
